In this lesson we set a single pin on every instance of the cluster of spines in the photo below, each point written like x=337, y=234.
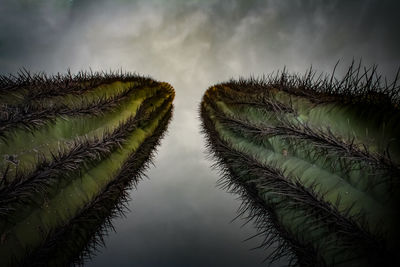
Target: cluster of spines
x=29, y=117
x=253, y=179
x=358, y=85
x=41, y=85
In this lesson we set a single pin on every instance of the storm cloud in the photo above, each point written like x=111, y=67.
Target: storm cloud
x=239, y=37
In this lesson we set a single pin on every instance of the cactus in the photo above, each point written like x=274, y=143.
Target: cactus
x=315, y=160
x=70, y=147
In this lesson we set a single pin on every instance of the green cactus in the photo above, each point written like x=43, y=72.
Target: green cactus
x=317, y=162
x=69, y=148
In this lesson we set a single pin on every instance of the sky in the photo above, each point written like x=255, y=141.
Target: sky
x=207, y=40
x=192, y=45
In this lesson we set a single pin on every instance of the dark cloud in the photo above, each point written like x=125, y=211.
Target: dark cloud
x=275, y=33
x=29, y=30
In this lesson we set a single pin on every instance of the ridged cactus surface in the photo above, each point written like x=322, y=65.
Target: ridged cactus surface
x=70, y=146
x=316, y=160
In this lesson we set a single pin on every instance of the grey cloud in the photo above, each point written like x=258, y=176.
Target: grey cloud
x=263, y=35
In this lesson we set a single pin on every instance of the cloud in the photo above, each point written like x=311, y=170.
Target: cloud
x=226, y=38
x=29, y=30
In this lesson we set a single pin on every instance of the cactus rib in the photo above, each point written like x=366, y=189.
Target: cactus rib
x=31, y=118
